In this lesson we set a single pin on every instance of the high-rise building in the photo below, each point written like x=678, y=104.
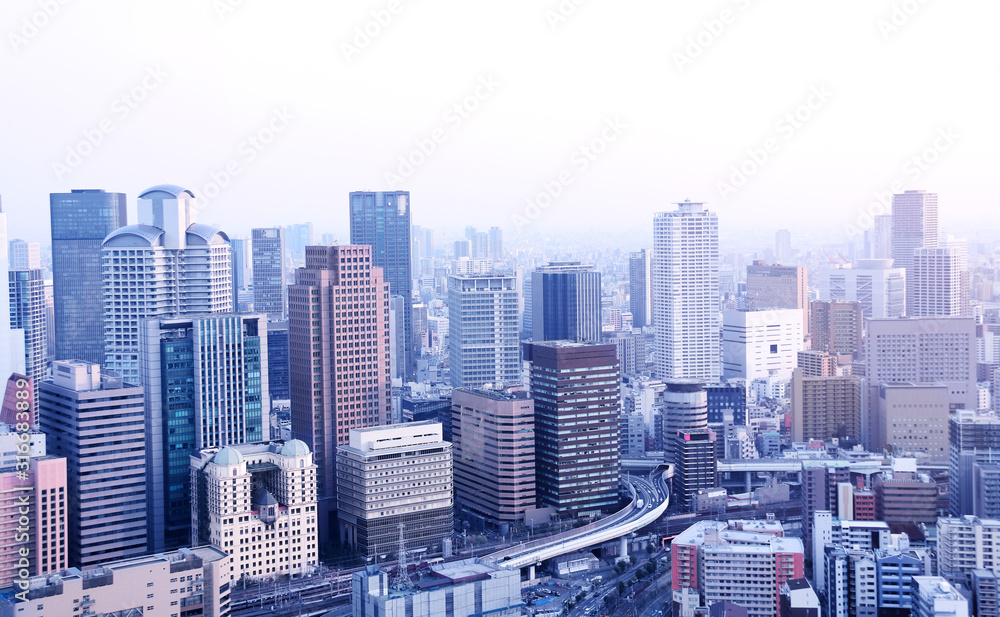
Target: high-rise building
x=973, y=439
x=939, y=286
x=483, y=330
x=685, y=408
x=27, y=313
x=98, y=424
x=33, y=515
x=382, y=221
x=640, y=285
x=206, y=386
x=496, y=244
x=338, y=347
x=393, y=476
x=242, y=259
x=966, y=543
x=875, y=284
x=783, y=246
x=694, y=465
x=817, y=363
x=566, y=302
x=257, y=502
x=824, y=407
x=277, y=360
x=837, y=327
x=270, y=273
x=167, y=264
x=297, y=238
x=186, y=582
x=712, y=558
x=81, y=220
x=914, y=226
x=756, y=344
x=25, y=255
x=12, y=347
x=881, y=237
x=493, y=433
x=925, y=350
x=778, y=287
x=576, y=392
x=912, y=418
x=686, y=293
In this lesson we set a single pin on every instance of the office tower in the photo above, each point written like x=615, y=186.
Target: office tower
x=382, y=221
x=339, y=377
x=694, y=465
x=453, y=589
x=905, y=497
x=837, y=327
x=756, y=344
x=876, y=284
x=257, y=502
x=393, y=476
x=98, y=424
x=493, y=433
x=576, y=392
x=912, y=418
x=973, y=439
x=640, y=282
x=206, y=386
x=778, y=287
x=297, y=238
x=711, y=558
x=824, y=407
x=242, y=263
x=566, y=302
x=966, y=543
x=12, y=344
x=483, y=330
x=783, y=246
x=685, y=408
x=32, y=516
x=277, y=361
x=167, y=264
x=463, y=248
x=270, y=273
x=914, y=226
x=496, y=244
x=935, y=597
x=686, y=293
x=81, y=219
x=881, y=237
x=480, y=245
x=27, y=313
x=630, y=347
x=939, y=286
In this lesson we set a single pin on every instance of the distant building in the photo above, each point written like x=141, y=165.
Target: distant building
x=277, y=361
x=875, y=284
x=837, y=327
x=778, y=287
x=185, y=582
x=940, y=282
x=914, y=226
x=825, y=407
x=257, y=502
x=640, y=280
x=270, y=272
x=387, y=476
x=494, y=453
x=454, y=589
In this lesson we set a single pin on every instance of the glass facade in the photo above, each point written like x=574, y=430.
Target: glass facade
x=27, y=312
x=81, y=220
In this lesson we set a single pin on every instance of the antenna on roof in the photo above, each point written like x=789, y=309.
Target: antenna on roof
x=402, y=576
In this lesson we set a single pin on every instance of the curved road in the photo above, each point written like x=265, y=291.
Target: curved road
x=650, y=498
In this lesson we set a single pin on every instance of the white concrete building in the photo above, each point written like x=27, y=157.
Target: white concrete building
x=167, y=264
x=933, y=596
x=965, y=544
x=484, y=343
x=257, y=502
x=756, y=344
x=939, y=286
x=686, y=293
x=876, y=284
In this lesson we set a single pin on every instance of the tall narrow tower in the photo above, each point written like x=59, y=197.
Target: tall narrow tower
x=686, y=293
x=914, y=225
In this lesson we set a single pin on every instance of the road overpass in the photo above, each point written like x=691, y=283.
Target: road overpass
x=650, y=499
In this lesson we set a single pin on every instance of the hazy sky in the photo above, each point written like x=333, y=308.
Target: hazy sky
x=609, y=110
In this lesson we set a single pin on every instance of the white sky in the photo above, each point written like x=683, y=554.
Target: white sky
x=557, y=89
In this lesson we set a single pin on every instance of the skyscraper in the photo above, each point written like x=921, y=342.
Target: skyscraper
x=576, y=392
x=783, y=246
x=338, y=347
x=242, y=256
x=939, y=286
x=270, y=278
x=168, y=264
x=496, y=244
x=382, y=221
x=881, y=244
x=11, y=339
x=640, y=285
x=685, y=409
x=81, y=220
x=27, y=313
x=206, y=386
x=566, y=302
x=483, y=330
x=686, y=293
x=914, y=225
x=97, y=424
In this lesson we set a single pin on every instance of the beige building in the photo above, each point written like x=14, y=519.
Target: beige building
x=257, y=502
x=914, y=419
x=825, y=407
x=187, y=581
x=494, y=439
